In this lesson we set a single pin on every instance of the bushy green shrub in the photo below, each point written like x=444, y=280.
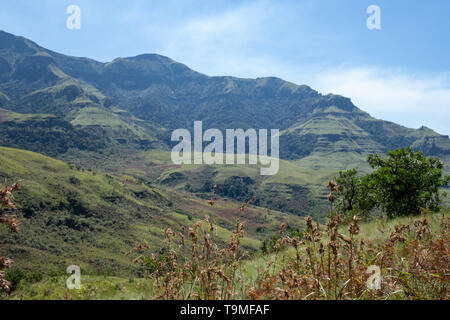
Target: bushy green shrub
x=404, y=183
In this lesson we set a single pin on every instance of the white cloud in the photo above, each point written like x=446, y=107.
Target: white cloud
x=253, y=40
x=402, y=97
x=216, y=35
x=244, y=40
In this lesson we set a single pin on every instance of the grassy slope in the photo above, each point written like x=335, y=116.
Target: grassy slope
x=301, y=182
x=311, y=172
x=7, y=115
x=72, y=216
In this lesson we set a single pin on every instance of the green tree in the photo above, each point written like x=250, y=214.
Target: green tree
x=355, y=194
x=348, y=184
x=406, y=182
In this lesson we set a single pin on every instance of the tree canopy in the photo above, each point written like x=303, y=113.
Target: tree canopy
x=403, y=183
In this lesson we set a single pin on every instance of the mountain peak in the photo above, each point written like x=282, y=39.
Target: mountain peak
x=18, y=44
x=152, y=56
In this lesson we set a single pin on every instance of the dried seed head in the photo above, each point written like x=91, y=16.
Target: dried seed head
x=321, y=250
x=353, y=226
x=181, y=237
x=11, y=222
x=4, y=284
x=282, y=227
x=253, y=199
x=331, y=197
x=6, y=195
x=15, y=186
x=308, y=221
x=5, y=263
x=137, y=260
x=345, y=239
x=332, y=186
x=169, y=233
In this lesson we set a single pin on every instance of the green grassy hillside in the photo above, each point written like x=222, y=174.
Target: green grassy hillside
x=298, y=187
x=70, y=215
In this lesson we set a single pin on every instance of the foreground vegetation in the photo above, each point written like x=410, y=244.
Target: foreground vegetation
x=400, y=256
x=328, y=262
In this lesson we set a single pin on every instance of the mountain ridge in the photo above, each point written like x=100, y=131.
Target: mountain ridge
x=146, y=96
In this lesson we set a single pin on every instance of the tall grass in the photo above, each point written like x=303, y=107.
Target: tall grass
x=331, y=262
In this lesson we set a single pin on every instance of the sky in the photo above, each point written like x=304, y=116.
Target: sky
x=399, y=73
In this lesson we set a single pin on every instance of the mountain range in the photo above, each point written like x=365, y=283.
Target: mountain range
x=141, y=99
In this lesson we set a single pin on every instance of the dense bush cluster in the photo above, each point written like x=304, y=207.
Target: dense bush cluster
x=402, y=184
x=52, y=136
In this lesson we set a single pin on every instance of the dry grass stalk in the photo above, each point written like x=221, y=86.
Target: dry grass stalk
x=6, y=196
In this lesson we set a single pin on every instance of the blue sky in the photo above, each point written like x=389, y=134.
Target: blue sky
x=400, y=73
